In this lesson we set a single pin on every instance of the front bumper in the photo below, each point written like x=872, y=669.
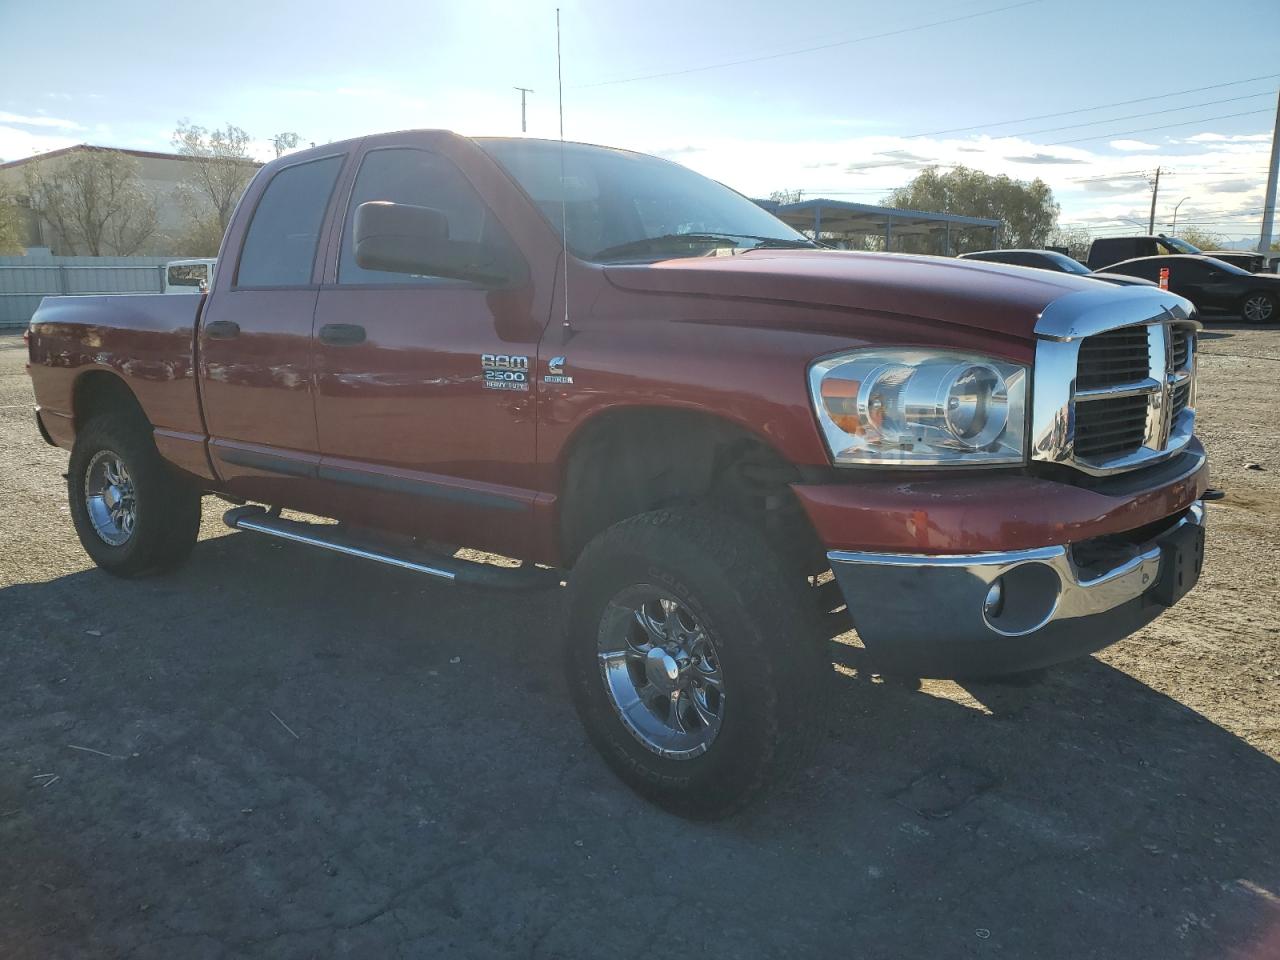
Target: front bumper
x=937, y=615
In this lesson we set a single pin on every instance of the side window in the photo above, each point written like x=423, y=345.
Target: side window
x=424, y=179
x=280, y=246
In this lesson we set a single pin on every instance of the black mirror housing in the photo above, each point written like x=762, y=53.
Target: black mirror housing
x=404, y=238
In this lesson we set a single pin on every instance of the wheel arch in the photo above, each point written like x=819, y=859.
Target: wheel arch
x=624, y=461
x=96, y=391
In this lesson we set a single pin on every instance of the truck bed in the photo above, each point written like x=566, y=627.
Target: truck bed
x=148, y=340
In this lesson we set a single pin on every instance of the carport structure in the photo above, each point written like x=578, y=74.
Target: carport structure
x=843, y=218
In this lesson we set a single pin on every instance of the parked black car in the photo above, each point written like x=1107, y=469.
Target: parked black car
x=1213, y=285
x=1049, y=260
x=1108, y=250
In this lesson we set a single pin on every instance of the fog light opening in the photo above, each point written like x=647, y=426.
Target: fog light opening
x=1022, y=599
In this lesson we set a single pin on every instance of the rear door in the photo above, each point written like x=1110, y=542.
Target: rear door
x=425, y=400
x=255, y=340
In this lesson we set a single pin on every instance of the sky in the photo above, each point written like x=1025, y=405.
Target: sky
x=845, y=99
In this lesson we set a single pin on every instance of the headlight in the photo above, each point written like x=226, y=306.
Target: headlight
x=919, y=408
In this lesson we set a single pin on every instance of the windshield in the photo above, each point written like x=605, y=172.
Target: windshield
x=1066, y=264
x=623, y=206
x=1179, y=246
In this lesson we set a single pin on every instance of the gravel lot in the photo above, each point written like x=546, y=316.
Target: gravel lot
x=282, y=753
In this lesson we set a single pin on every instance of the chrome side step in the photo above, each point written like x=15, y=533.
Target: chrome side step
x=335, y=538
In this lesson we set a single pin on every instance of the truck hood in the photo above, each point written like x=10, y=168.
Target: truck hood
x=991, y=297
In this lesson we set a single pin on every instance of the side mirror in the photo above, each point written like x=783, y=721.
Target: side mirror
x=403, y=238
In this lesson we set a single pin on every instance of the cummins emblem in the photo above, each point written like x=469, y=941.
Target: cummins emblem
x=505, y=372
x=555, y=372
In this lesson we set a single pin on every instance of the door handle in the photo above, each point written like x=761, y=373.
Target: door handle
x=222, y=330
x=342, y=334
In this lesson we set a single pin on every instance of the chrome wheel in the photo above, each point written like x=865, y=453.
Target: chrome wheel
x=109, y=498
x=662, y=673
x=1259, y=309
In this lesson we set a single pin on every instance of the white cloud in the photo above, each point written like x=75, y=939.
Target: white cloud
x=38, y=121
x=1132, y=145
x=1229, y=138
x=16, y=144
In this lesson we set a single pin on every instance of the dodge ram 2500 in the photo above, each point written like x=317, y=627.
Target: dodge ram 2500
x=723, y=437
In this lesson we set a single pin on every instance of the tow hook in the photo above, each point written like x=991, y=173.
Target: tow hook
x=1212, y=494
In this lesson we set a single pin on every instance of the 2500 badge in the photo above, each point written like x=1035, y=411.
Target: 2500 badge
x=504, y=372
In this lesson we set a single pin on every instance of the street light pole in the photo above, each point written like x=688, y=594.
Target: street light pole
x=524, y=92
x=1175, y=214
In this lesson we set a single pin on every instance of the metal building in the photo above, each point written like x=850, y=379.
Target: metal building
x=842, y=218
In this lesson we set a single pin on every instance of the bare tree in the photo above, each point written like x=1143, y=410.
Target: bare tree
x=220, y=166
x=1202, y=238
x=1075, y=239
x=12, y=223
x=94, y=200
x=284, y=142
x=786, y=196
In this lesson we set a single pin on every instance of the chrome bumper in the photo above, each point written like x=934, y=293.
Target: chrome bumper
x=992, y=613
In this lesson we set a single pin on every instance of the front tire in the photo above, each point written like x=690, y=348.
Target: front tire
x=1260, y=308
x=696, y=664
x=134, y=515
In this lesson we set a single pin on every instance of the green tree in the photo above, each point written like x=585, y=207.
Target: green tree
x=94, y=201
x=1027, y=211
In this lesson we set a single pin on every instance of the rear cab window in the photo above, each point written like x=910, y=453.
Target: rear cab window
x=280, y=246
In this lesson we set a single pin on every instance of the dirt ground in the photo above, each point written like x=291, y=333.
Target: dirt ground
x=280, y=753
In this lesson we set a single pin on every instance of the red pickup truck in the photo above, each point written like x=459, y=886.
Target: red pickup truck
x=724, y=437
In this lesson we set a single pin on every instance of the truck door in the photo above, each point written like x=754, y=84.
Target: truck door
x=255, y=340
x=425, y=399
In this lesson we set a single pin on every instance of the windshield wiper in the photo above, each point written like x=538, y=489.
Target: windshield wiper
x=645, y=244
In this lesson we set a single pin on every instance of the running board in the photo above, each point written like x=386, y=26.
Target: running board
x=339, y=540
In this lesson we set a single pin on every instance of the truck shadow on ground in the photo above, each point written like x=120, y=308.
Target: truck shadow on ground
x=299, y=754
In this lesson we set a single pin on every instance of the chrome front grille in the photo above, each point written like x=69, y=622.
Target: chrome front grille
x=1110, y=426
x=1114, y=357
x=1114, y=391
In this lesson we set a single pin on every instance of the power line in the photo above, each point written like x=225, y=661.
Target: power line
x=814, y=49
x=1167, y=126
x=1102, y=106
x=1135, y=116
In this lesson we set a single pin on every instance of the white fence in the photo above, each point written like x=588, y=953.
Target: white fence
x=25, y=280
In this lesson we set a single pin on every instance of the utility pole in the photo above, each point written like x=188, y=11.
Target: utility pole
x=1269, y=203
x=1155, y=190
x=524, y=92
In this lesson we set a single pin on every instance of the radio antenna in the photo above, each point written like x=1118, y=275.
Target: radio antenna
x=564, y=218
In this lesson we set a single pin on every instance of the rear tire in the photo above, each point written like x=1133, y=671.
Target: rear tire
x=134, y=515
x=1260, y=307
x=753, y=684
